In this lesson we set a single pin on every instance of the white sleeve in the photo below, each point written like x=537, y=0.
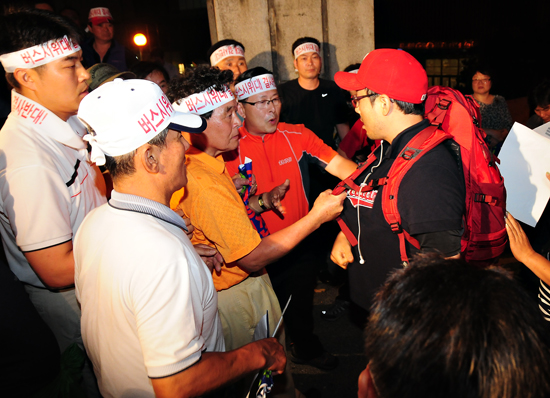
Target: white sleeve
x=37, y=204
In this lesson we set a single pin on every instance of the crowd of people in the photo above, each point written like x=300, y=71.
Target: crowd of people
x=156, y=228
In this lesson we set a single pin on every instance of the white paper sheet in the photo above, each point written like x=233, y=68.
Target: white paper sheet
x=524, y=161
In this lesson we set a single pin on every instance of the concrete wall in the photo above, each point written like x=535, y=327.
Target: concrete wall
x=267, y=28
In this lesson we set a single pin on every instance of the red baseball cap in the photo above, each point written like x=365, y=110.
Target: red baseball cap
x=395, y=73
x=100, y=15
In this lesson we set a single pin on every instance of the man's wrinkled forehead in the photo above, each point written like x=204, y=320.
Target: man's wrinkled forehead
x=263, y=96
x=226, y=108
x=229, y=60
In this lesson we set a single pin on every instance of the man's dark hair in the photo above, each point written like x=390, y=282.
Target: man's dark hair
x=443, y=328
x=221, y=43
x=406, y=107
x=123, y=165
x=541, y=95
x=24, y=29
x=144, y=68
x=303, y=40
x=197, y=80
x=250, y=73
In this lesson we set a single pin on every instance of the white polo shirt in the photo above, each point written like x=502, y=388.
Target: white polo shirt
x=46, y=184
x=149, y=306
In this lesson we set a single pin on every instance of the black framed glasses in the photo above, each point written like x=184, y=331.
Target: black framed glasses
x=264, y=104
x=483, y=81
x=355, y=99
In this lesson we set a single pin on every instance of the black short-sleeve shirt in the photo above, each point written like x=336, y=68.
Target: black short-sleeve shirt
x=320, y=110
x=430, y=199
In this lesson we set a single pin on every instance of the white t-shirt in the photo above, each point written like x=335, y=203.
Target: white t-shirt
x=149, y=306
x=46, y=184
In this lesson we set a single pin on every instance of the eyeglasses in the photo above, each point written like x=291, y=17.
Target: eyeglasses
x=261, y=105
x=355, y=99
x=484, y=81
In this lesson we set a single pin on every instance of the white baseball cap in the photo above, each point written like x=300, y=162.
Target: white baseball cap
x=126, y=114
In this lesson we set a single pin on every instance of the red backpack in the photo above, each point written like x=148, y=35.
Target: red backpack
x=453, y=116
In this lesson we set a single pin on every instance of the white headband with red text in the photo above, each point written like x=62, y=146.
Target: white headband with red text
x=203, y=102
x=306, y=48
x=255, y=85
x=226, y=52
x=39, y=55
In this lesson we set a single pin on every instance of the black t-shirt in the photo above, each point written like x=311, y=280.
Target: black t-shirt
x=431, y=198
x=117, y=55
x=320, y=110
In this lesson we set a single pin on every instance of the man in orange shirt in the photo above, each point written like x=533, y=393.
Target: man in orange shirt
x=280, y=151
x=218, y=214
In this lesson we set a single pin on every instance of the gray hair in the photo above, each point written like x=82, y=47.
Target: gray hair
x=123, y=165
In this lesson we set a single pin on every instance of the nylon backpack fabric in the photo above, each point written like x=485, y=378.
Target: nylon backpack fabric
x=484, y=238
x=455, y=122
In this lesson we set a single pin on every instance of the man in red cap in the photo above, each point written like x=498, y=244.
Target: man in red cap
x=102, y=47
x=391, y=87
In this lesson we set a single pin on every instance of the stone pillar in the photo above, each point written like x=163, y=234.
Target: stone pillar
x=267, y=28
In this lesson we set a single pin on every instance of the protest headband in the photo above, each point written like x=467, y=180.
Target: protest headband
x=306, y=48
x=39, y=55
x=226, y=52
x=203, y=102
x=255, y=85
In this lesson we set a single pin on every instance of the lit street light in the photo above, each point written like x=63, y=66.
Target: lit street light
x=140, y=40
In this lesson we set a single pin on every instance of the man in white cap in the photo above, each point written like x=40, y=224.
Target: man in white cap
x=149, y=307
x=228, y=54
x=47, y=185
x=102, y=47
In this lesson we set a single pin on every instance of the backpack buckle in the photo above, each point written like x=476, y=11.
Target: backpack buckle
x=377, y=183
x=480, y=197
x=443, y=104
x=396, y=228
x=409, y=153
x=490, y=200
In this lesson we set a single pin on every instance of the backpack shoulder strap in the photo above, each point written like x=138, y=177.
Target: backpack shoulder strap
x=417, y=147
x=349, y=183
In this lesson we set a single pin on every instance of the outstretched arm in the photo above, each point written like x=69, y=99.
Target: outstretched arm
x=341, y=167
x=216, y=369
x=523, y=251
x=327, y=207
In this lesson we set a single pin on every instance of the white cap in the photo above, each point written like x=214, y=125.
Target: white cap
x=126, y=114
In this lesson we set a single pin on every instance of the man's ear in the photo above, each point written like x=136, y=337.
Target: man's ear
x=149, y=156
x=295, y=64
x=25, y=78
x=385, y=103
x=366, y=385
x=241, y=110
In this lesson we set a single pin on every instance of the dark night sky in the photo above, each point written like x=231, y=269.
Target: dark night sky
x=514, y=37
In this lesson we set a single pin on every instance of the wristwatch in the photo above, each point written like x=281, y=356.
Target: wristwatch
x=261, y=202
